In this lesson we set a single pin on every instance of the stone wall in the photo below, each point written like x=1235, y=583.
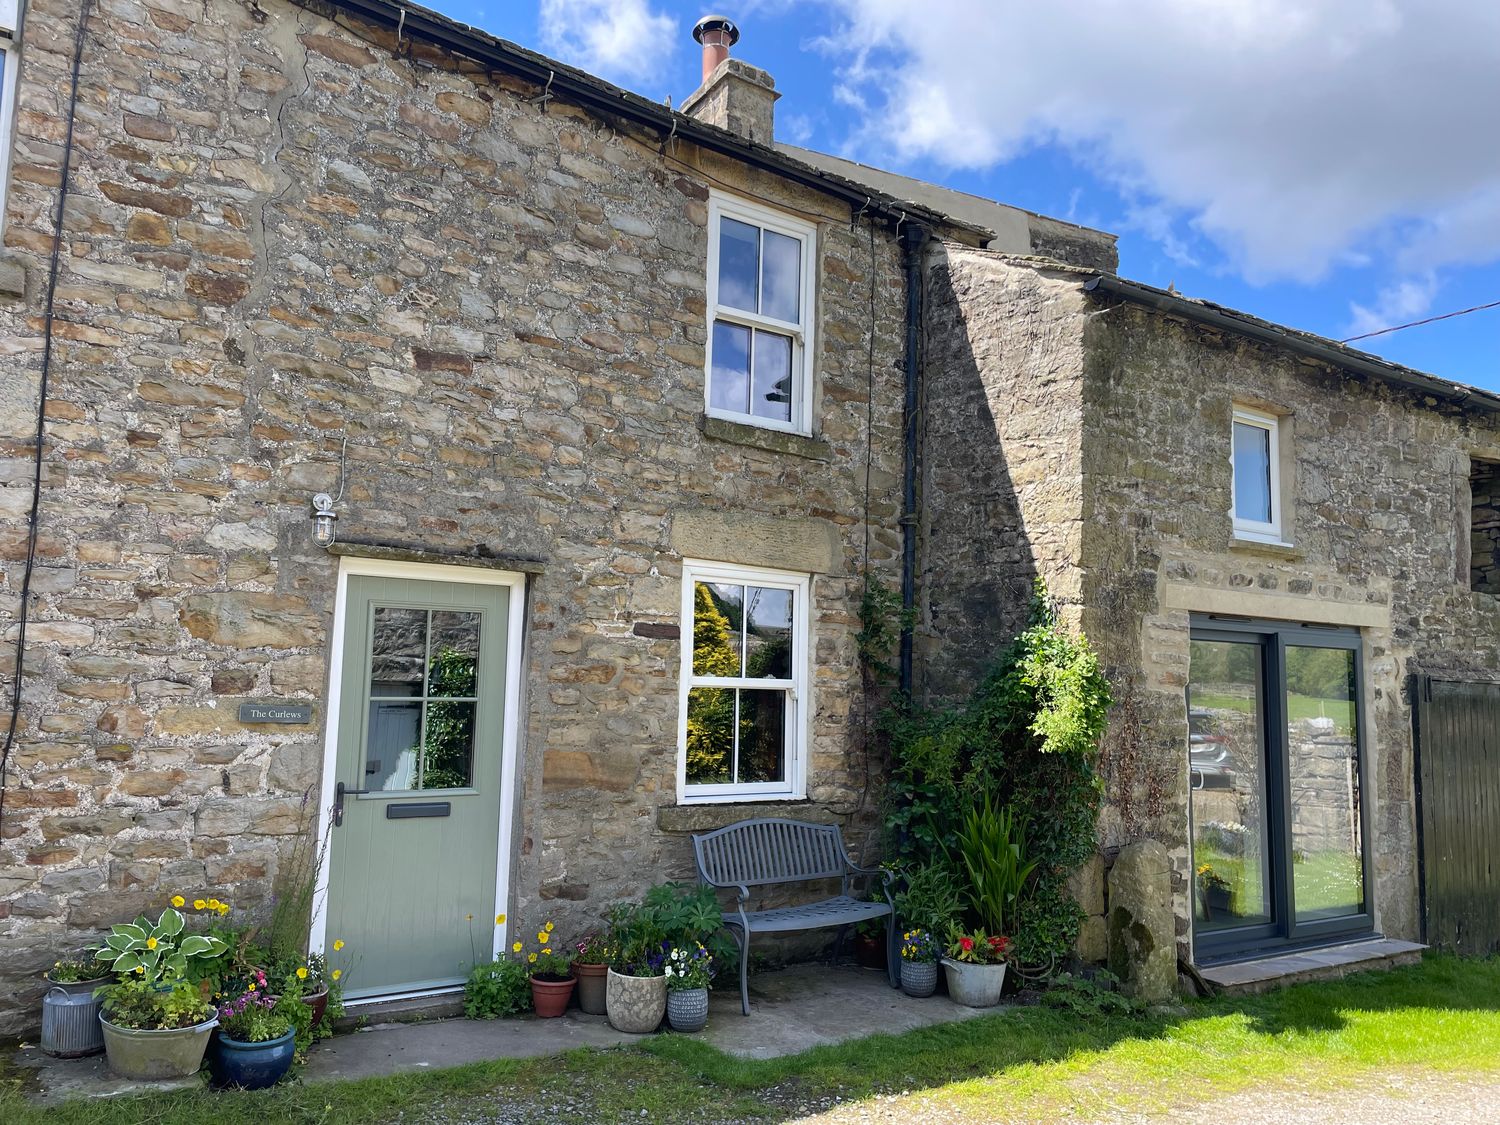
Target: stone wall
x=1484, y=527
x=286, y=234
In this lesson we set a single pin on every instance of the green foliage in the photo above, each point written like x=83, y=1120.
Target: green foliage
x=933, y=899
x=669, y=915
x=71, y=970
x=991, y=847
x=1027, y=738
x=146, y=1007
x=500, y=988
x=153, y=954
x=1090, y=996
x=882, y=619
x=450, y=726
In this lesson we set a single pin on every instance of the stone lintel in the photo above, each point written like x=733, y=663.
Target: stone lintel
x=1279, y=607
x=799, y=543
x=400, y=552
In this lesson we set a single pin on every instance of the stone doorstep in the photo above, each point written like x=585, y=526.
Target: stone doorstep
x=1245, y=978
x=441, y=1006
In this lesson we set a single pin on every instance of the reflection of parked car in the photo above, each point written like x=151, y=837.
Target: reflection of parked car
x=1208, y=753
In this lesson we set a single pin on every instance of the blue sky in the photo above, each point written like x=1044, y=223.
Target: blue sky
x=1333, y=165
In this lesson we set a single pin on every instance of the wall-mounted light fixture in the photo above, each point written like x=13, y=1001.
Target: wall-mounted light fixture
x=323, y=517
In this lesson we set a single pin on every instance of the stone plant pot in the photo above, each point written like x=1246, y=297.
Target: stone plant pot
x=635, y=1005
x=918, y=978
x=174, y=1053
x=591, y=984
x=974, y=986
x=687, y=1009
x=550, y=997
x=70, y=1018
x=252, y=1066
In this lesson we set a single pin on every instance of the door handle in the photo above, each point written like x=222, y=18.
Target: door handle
x=340, y=791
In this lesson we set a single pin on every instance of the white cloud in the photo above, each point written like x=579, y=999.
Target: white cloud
x=1294, y=135
x=1401, y=303
x=621, y=40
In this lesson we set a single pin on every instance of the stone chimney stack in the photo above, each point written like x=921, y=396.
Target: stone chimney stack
x=734, y=95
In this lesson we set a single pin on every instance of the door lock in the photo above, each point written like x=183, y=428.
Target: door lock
x=340, y=791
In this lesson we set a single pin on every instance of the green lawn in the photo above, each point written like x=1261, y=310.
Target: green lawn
x=1341, y=711
x=1030, y=1064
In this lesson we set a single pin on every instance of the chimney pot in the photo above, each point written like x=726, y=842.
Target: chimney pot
x=717, y=34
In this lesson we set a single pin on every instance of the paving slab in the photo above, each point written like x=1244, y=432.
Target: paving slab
x=791, y=1010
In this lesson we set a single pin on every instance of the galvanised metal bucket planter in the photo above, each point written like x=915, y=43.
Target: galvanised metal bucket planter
x=918, y=978
x=70, y=1019
x=687, y=1009
x=974, y=986
x=635, y=1004
x=252, y=1066
x=174, y=1053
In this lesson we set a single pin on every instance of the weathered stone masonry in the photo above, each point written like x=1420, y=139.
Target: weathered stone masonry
x=285, y=233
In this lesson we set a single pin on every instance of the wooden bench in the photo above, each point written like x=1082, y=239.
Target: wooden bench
x=768, y=851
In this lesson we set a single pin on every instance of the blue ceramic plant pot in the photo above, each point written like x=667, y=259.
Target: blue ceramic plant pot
x=252, y=1066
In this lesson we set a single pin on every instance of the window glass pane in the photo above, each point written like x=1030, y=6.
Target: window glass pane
x=1327, y=856
x=771, y=392
x=391, y=743
x=398, y=652
x=1226, y=768
x=781, y=276
x=762, y=751
x=453, y=663
x=710, y=736
x=739, y=264
x=729, y=385
x=718, y=610
x=768, y=633
x=449, y=746
x=1252, y=473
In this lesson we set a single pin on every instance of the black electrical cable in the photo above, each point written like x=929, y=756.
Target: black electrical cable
x=41, y=402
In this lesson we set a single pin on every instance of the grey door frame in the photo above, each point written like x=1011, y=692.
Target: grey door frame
x=352, y=566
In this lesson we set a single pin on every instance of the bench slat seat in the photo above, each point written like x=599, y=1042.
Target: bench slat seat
x=769, y=851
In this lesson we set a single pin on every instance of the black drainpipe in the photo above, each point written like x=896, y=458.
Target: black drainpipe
x=913, y=239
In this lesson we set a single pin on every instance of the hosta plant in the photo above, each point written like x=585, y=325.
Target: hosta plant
x=154, y=963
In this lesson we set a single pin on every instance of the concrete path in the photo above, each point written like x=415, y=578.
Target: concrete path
x=790, y=1011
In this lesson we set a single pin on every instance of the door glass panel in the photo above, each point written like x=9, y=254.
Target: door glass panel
x=448, y=748
x=710, y=736
x=1226, y=756
x=398, y=652
x=1322, y=737
x=454, y=663
x=395, y=732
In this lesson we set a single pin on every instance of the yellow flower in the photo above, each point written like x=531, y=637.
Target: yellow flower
x=337, y=973
x=141, y=969
x=150, y=943
x=516, y=948
x=531, y=957
x=199, y=904
x=499, y=919
x=252, y=987
x=548, y=949
x=338, y=945
x=213, y=904
x=302, y=973
x=548, y=927
x=541, y=936
x=178, y=900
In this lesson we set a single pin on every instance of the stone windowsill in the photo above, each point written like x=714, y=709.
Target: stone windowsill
x=706, y=818
x=758, y=437
x=1286, y=551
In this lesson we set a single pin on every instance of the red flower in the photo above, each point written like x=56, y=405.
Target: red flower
x=967, y=944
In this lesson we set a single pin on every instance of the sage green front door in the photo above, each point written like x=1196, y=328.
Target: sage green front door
x=414, y=851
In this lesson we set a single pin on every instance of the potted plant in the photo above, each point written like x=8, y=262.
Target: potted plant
x=590, y=964
x=501, y=987
x=688, y=973
x=919, y=958
x=257, y=1040
x=1213, y=891
x=551, y=982
x=975, y=968
x=156, y=1021
x=635, y=993
x=70, y=1008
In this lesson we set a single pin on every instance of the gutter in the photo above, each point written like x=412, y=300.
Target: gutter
x=913, y=239
x=562, y=81
x=1301, y=343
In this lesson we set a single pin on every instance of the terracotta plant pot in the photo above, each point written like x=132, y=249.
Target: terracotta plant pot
x=591, y=986
x=318, y=1002
x=918, y=978
x=173, y=1053
x=869, y=951
x=550, y=997
x=635, y=1005
x=974, y=986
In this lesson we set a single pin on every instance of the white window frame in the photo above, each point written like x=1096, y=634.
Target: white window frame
x=10, y=44
x=799, y=703
x=719, y=207
x=1257, y=531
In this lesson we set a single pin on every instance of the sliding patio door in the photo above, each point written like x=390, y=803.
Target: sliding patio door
x=1275, y=769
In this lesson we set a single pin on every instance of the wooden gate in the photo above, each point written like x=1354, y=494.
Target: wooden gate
x=1458, y=798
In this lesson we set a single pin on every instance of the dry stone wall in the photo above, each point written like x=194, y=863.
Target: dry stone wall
x=286, y=234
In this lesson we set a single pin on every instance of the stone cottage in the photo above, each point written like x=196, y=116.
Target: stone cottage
x=1270, y=539
x=599, y=409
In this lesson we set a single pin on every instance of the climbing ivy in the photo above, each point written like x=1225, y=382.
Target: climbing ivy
x=1028, y=738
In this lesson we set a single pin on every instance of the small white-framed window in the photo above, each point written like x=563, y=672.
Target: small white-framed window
x=1255, y=480
x=10, y=67
x=743, y=718
x=761, y=304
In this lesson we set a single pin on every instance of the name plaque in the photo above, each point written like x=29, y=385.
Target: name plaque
x=276, y=712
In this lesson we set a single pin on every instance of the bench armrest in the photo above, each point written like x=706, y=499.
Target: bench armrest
x=887, y=878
